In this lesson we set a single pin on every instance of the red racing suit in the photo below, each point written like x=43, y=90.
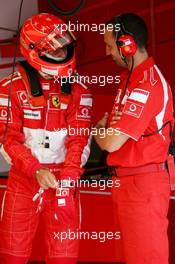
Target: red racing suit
x=55, y=136
x=141, y=202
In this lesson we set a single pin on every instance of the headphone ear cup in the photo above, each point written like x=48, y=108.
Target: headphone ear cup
x=127, y=45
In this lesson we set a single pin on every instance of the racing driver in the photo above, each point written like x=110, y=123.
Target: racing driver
x=43, y=116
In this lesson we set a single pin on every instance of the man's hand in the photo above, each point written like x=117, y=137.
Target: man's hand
x=46, y=179
x=103, y=122
x=115, y=118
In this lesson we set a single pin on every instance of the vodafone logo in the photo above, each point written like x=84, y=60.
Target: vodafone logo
x=4, y=114
x=23, y=98
x=85, y=111
x=132, y=108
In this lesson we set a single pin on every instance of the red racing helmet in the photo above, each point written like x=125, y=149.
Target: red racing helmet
x=48, y=45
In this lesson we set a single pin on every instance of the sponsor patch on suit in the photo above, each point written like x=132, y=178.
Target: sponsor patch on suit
x=29, y=114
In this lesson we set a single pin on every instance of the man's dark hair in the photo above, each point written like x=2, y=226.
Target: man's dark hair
x=133, y=25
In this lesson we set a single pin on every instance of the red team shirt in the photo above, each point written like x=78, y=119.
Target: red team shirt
x=146, y=106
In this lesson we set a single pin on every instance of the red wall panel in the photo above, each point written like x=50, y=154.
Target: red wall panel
x=91, y=49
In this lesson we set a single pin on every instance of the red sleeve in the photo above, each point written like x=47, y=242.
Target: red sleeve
x=13, y=148
x=79, y=121
x=140, y=108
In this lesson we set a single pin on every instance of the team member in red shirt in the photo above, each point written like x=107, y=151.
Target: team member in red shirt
x=138, y=147
x=43, y=143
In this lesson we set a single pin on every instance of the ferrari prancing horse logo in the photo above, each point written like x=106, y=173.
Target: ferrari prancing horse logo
x=55, y=101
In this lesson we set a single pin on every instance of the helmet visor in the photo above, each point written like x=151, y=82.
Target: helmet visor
x=57, y=39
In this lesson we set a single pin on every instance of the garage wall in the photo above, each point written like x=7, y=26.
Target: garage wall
x=91, y=49
x=9, y=12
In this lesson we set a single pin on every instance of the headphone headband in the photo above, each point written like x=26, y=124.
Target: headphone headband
x=119, y=20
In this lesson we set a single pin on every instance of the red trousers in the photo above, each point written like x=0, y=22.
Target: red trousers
x=19, y=220
x=141, y=207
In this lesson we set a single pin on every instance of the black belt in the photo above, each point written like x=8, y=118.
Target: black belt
x=126, y=171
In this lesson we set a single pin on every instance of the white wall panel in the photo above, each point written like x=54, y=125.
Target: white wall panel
x=9, y=11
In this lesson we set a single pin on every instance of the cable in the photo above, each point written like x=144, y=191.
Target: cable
x=66, y=13
x=13, y=71
x=157, y=131
x=129, y=76
x=160, y=129
x=8, y=29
